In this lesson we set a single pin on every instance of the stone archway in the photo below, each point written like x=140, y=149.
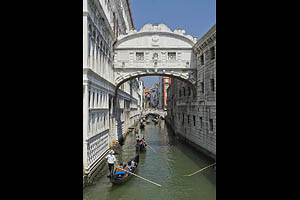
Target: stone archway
x=153, y=51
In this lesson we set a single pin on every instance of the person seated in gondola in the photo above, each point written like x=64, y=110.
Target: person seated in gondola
x=129, y=166
x=120, y=173
x=133, y=164
x=141, y=142
x=121, y=166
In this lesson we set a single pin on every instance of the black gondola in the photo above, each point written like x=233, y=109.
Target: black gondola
x=142, y=125
x=120, y=176
x=140, y=146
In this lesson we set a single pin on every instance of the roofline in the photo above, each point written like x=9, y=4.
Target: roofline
x=206, y=35
x=131, y=36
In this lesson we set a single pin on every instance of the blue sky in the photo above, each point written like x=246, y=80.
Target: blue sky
x=196, y=17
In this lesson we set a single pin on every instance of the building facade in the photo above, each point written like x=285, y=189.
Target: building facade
x=103, y=22
x=193, y=115
x=147, y=97
x=164, y=83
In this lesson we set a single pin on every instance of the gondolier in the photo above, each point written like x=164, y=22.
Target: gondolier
x=111, y=162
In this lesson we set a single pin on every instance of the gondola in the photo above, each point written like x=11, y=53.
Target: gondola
x=121, y=176
x=142, y=125
x=140, y=147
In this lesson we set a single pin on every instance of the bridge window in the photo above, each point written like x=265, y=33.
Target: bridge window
x=183, y=91
x=212, y=53
x=139, y=55
x=182, y=118
x=179, y=93
x=202, y=59
x=188, y=119
x=171, y=55
x=189, y=91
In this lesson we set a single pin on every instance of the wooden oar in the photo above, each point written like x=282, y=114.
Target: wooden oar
x=150, y=146
x=200, y=170
x=141, y=177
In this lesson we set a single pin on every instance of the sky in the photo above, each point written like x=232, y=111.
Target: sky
x=196, y=17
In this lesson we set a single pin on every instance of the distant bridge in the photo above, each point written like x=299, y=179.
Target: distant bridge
x=155, y=112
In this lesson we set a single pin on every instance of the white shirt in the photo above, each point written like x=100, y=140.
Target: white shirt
x=111, y=159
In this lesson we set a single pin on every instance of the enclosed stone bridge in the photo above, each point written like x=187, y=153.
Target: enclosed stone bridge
x=155, y=51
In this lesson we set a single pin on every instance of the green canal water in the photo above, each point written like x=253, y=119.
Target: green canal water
x=166, y=165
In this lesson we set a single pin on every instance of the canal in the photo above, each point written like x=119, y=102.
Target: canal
x=166, y=165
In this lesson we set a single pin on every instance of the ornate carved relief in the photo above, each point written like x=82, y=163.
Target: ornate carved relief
x=155, y=40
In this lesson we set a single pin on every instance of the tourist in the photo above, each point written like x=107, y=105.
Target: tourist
x=121, y=166
x=132, y=164
x=129, y=165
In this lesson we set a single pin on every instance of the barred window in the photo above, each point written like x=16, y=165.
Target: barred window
x=211, y=124
x=194, y=119
x=202, y=87
x=139, y=55
x=171, y=55
x=202, y=59
x=212, y=84
x=212, y=53
x=201, y=125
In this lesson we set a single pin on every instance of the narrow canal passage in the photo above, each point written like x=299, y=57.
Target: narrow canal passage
x=166, y=165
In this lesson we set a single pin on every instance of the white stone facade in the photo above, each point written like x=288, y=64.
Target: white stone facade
x=103, y=22
x=154, y=50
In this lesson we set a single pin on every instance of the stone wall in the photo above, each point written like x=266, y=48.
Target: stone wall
x=103, y=22
x=193, y=116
